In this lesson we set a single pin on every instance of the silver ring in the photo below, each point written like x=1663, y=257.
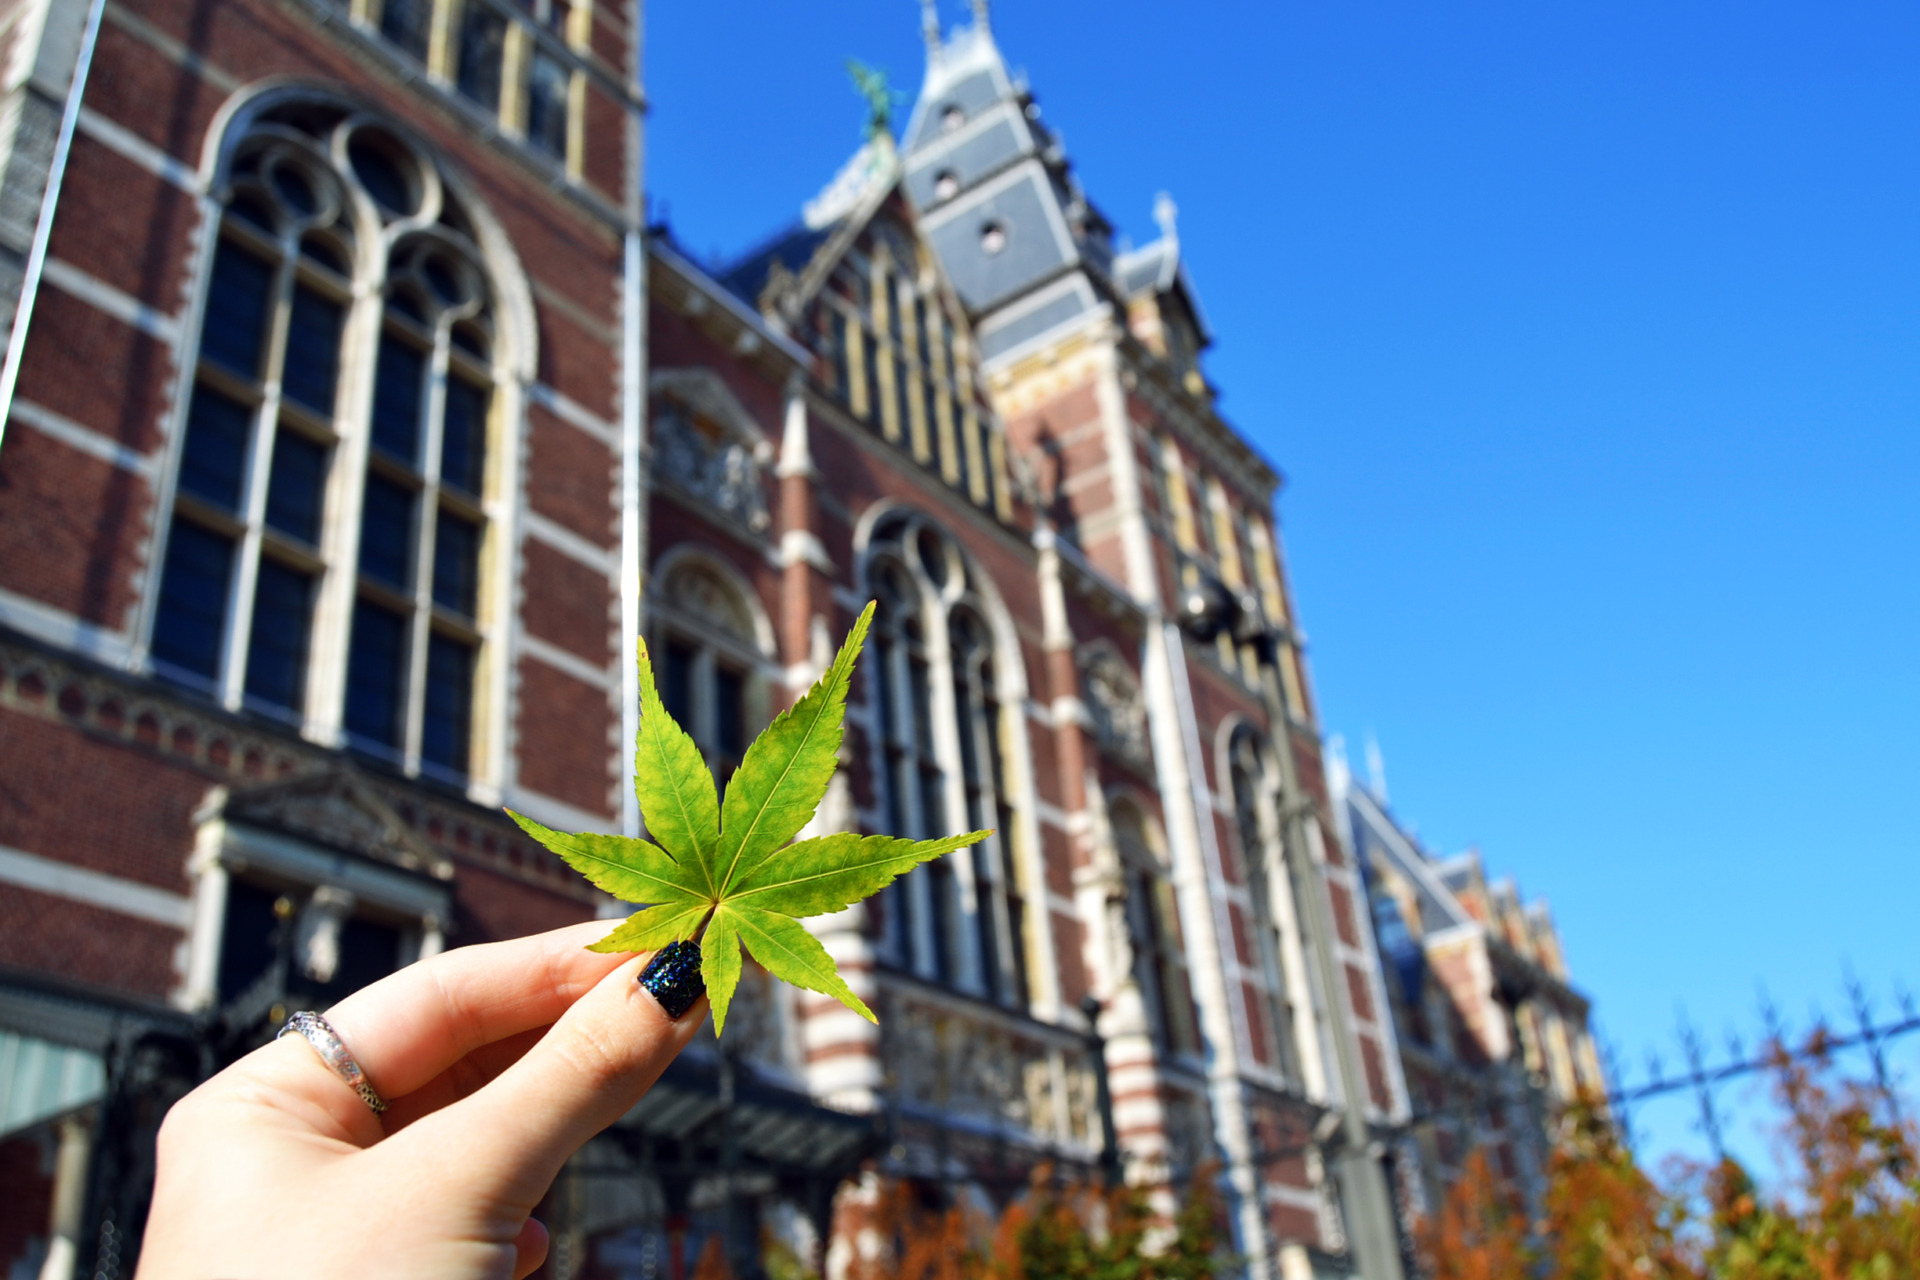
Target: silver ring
x=333, y=1051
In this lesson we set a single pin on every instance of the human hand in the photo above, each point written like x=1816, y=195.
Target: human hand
x=497, y=1063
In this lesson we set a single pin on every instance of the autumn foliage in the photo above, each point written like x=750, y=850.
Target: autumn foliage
x=1848, y=1207
x=1056, y=1231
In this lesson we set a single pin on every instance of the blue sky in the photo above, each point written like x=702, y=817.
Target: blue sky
x=1588, y=338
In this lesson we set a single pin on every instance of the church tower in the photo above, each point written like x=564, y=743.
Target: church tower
x=1155, y=506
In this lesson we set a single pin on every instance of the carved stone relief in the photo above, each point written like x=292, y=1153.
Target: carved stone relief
x=973, y=1068
x=1113, y=701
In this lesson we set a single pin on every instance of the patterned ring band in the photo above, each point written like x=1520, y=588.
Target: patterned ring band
x=333, y=1051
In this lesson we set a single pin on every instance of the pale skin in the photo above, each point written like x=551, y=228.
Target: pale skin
x=497, y=1062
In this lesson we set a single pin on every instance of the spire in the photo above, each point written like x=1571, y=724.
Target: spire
x=980, y=19
x=930, y=28
x=1167, y=214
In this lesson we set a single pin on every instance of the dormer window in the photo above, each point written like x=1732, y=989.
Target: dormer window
x=993, y=239
x=946, y=185
x=952, y=118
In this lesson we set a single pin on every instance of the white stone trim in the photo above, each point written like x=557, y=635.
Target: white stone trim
x=571, y=544
x=561, y=660
x=575, y=414
x=63, y=630
x=121, y=306
x=95, y=889
x=85, y=439
x=129, y=145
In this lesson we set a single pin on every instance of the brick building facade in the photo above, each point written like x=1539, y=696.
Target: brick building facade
x=1494, y=1039
x=361, y=428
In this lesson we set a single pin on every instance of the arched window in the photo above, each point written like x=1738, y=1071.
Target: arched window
x=1264, y=871
x=324, y=559
x=1153, y=929
x=705, y=655
x=940, y=755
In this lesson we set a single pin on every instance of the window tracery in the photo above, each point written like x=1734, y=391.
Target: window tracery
x=1153, y=931
x=323, y=560
x=1264, y=870
x=940, y=730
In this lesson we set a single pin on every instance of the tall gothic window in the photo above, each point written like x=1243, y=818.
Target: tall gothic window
x=324, y=559
x=1153, y=930
x=1261, y=865
x=245, y=557
x=940, y=752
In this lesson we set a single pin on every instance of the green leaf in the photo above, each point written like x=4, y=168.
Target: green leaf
x=671, y=781
x=631, y=870
x=720, y=963
x=740, y=878
x=652, y=928
x=827, y=874
x=786, y=950
x=781, y=780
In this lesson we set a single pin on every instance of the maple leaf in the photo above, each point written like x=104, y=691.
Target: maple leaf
x=730, y=869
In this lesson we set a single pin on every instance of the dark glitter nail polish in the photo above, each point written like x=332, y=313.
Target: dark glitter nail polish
x=673, y=976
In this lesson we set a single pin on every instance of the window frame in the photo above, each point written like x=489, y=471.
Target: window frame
x=941, y=919
x=322, y=123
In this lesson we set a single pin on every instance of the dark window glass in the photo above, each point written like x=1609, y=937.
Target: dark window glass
x=249, y=948
x=235, y=326
x=406, y=302
x=933, y=806
x=463, y=442
x=945, y=908
x=375, y=166
x=407, y=23
x=213, y=460
x=312, y=363
x=447, y=725
x=375, y=674
x=295, y=486
x=730, y=714
x=397, y=385
x=456, y=563
x=472, y=340
x=323, y=252
x=247, y=937
x=369, y=951
x=987, y=926
x=483, y=39
x=922, y=706
x=386, y=532
x=251, y=209
x=547, y=105
x=277, y=646
x=444, y=281
x=193, y=599
x=295, y=190
x=676, y=691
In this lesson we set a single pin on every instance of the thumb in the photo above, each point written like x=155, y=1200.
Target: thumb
x=508, y=1140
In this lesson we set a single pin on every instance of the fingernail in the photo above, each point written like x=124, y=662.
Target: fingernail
x=673, y=976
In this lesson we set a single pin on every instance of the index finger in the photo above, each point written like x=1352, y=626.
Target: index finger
x=409, y=1027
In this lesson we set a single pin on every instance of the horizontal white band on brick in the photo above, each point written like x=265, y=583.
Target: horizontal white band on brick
x=131, y=146
x=576, y=414
x=558, y=814
x=94, y=888
x=84, y=438
x=117, y=303
x=61, y=629
x=568, y=543
x=561, y=660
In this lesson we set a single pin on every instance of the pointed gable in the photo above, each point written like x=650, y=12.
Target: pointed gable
x=869, y=295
